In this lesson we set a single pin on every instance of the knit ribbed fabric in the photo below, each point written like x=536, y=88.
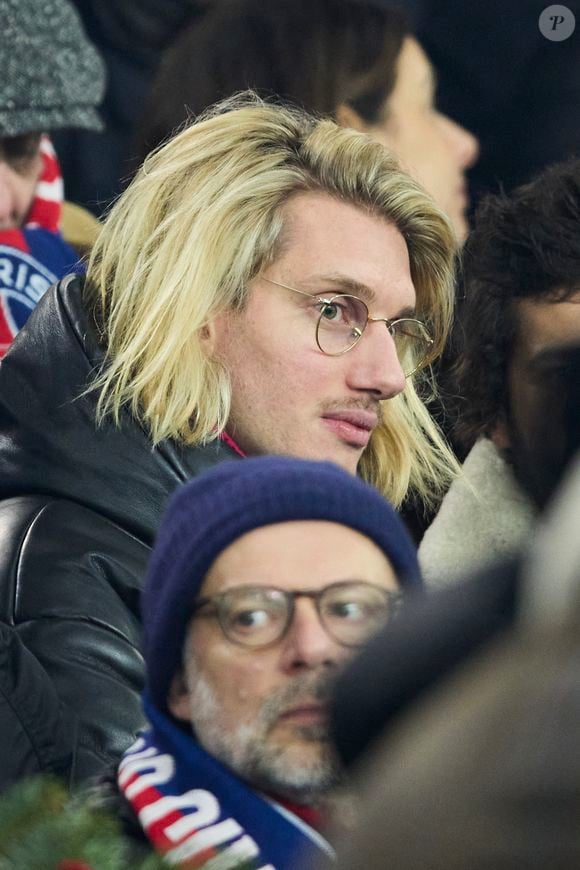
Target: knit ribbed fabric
x=212, y=511
x=51, y=75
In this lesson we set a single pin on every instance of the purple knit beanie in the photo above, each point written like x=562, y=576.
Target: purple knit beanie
x=213, y=510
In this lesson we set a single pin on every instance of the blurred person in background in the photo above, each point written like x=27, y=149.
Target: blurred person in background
x=355, y=61
x=498, y=76
x=503, y=78
x=519, y=318
x=478, y=750
x=270, y=283
x=130, y=36
x=52, y=78
x=531, y=383
x=462, y=720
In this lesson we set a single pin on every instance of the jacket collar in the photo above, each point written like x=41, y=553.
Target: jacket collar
x=49, y=442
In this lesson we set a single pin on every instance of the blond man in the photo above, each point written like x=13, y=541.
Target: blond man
x=268, y=284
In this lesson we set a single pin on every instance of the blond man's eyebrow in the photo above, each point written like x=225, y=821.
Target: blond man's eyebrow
x=344, y=284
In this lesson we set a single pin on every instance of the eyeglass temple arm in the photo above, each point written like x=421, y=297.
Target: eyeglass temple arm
x=287, y=287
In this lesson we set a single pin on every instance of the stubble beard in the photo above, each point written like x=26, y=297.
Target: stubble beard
x=290, y=771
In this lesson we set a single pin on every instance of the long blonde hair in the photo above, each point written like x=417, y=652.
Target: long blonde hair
x=200, y=220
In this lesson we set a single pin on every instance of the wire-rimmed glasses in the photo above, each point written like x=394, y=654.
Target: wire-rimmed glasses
x=343, y=319
x=259, y=616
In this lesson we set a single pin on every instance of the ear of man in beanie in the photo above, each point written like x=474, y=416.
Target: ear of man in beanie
x=219, y=506
x=51, y=76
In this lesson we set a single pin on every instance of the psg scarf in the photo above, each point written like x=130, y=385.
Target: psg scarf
x=196, y=813
x=34, y=256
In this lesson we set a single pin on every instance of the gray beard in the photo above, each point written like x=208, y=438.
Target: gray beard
x=247, y=751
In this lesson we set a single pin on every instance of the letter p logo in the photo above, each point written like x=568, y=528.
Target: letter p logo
x=557, y=23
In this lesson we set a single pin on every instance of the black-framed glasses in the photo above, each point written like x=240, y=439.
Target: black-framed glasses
x=258, y=616
x=343, y=319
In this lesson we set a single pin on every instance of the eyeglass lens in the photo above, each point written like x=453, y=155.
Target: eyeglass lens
x=350, y=612
x=343, y=319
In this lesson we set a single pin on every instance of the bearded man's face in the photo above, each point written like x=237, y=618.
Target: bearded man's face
x=264, y=711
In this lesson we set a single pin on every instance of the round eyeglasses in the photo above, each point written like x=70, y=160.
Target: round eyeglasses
x=258, y=616
x=342, y=321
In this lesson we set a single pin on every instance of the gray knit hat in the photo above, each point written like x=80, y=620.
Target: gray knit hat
x=51, y=76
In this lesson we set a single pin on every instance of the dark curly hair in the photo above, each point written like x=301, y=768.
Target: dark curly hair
x=523, y=246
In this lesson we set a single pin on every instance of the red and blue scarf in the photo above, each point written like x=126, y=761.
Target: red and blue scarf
x=35, y=256
x=196, y=813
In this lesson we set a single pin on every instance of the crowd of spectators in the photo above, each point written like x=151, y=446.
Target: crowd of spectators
x=289, y=434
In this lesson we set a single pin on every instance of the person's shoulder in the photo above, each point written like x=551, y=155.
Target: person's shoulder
x=484, y=516
x=70, y=547
x=34, y=514
x=79, y=227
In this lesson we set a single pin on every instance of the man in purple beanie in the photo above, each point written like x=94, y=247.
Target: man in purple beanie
x=266, y=577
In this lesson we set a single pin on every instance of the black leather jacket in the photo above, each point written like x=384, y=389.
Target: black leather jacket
x=79, y=507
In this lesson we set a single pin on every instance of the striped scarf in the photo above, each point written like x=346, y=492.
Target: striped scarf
x=196, y=813
x=34, y=256
x=46, y=207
